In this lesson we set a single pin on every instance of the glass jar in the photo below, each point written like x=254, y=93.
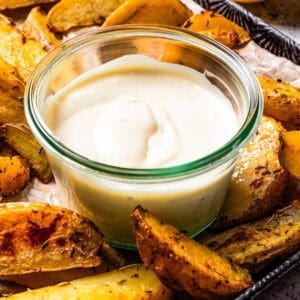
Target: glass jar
x=190, y=195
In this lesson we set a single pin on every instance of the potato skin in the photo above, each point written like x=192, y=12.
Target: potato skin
x=282, y=100
x=12, y=4
x=258, y=180
x=255, y=245
x=14, y=175
x=182, y=263
x=40, y=237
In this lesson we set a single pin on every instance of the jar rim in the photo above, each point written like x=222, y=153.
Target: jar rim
x=203, y=164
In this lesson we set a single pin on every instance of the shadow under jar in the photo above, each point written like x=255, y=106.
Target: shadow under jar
x=190, y=195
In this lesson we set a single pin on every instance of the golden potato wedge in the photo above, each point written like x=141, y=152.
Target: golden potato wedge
x=10, y=83
x=167, y=12
x=29, y=56
x=35, y=27
x=40, y=237
x=11, y=110
x=258, y=179
x=14, y=175
x=291, y=152
x=12, y=4
x=182, y=263
x=131, y=283
x=218, y=28
x=20, y=138
x=282, y=100
x=71, y=13
x=11, y=40
x=255, y=245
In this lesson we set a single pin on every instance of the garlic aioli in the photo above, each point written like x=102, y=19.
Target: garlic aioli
x=135, y=112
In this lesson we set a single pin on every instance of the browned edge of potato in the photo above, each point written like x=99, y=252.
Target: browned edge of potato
x=72, y=13
x=42, y=237
x=12, y=4
x=258, y=180
x=255, y=245
x=171, y=12
x=281, y=100
x=218, y=28
x=182, y=263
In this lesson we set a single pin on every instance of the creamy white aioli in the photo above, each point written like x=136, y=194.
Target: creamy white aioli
x=136, y=112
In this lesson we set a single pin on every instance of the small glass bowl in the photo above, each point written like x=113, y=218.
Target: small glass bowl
x=190, y=195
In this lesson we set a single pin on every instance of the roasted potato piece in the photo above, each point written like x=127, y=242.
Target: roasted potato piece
x=218, y=28
x=167, y=12
x=258, y=179
x=35, y=27
x=133, y=282
x=11, y=40
x=182, y=263
x=70, y=13
x=29, y=56
x=14, y=175
x=40, y=237
x=282, y=100
x=255, y=245
x=20, y=138
x=291, y=152
x=11, y=4
x=10, y=83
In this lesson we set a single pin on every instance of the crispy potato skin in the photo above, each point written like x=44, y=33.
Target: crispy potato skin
x=12, y=4
x=218, y=28
x=70, y=13
x=171, y=12
x=255, y=245
x=39, y=237
x=14, y=175
x=282, y=100
x=258, y=180
x=182, y=263
x=131, y=283
x=35, y=27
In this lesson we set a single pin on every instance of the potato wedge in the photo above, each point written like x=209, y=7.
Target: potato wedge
x=10, y=83
x=131, y=283
x=40, y=237
x=255, y=245
x=29, y=56
x=20, y=138
x=14, y=175
x=72, y=13
x=182, y=263
x=35, y=27
x=258, y=179
x=218, y=28
x=291, y=152
x=282, y=100
x=167, y=12
x=11, y=40
x=12, y=4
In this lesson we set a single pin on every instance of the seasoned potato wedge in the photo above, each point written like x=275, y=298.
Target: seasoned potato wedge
x=282, y=100
x=11, y=40
x=167, y=12
x=14, y=175
x=35, y=27
x=257, y=244
x=11, y=110
x=258, y=179
x=39, y=237
x=29, y=56
x=70, y=13
x=218, y=28
x=182, y=263
x=20, y=138
x=131, y=283
x=10, y=83
x=11, y=4
x=291, y=152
